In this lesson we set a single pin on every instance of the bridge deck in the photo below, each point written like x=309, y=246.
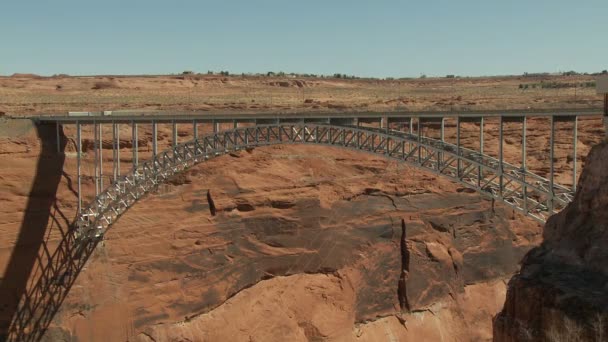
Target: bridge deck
x=147, y=116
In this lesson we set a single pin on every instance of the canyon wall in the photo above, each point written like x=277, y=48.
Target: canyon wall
x=561, y=292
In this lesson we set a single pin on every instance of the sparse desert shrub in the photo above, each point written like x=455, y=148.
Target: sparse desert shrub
x=104, y=85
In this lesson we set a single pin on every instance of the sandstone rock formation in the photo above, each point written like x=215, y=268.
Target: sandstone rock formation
x=306, y=243
x=561, y=292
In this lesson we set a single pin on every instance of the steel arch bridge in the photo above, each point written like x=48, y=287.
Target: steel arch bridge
x=382, y=134
x=527, y=192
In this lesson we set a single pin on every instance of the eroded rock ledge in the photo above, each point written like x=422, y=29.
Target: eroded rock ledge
x=561, y=292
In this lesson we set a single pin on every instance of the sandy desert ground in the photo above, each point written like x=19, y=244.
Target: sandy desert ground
x=30, y=94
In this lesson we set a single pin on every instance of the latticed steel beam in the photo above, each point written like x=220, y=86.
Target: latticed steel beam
x=499, y=179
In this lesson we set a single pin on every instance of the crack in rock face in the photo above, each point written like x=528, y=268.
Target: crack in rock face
x=211, y=203
x=405, y=269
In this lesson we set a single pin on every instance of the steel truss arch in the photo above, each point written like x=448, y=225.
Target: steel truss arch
x=517, y=187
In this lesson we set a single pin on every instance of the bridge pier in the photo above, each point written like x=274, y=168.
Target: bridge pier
x=574, y=141
x=96, y=157
x=100, y=145
x=459, y=165
x=523, y=143
x=135, y=146
x=115, y=149
x=480, y=168
x=154, y=138
x=605, y=118
x=500, y=157
x=173, y=133
x=552, y=167
x=419, y=132
x=78, y=156
x=524, y=187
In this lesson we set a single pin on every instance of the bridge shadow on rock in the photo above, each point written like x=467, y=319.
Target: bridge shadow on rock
x=40, y=273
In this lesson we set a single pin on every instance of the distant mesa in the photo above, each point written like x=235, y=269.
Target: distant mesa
x=18, y=75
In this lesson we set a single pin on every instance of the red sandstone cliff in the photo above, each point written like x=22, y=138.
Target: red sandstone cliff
x=561, y=292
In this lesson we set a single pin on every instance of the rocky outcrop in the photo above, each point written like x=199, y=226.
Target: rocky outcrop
x=561, y=291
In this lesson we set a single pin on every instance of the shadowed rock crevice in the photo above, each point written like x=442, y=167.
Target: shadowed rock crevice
x=405, y=270
x=211, y=203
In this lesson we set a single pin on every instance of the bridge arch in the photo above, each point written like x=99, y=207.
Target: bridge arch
x=518, y=188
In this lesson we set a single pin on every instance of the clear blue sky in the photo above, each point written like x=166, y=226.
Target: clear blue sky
x=367, y=38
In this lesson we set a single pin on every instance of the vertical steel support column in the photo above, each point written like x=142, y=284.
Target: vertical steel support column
x=58, y=138
x=500, y=157
x=358, y=124
x=605, y=118
x=195, y=129
x=115, y=147
x=552, y=171
x=235, y=126
x=458, y=163
x=96, y=159
x=480, y=169
x=174, y=133
x=118, y=149
x=574, y=141
x=215, y=130
x=523, y=164
x=441, y=138
x=523, y=144
x=78, y=156
x=135, y=145
x=154, y=138
x=174, y=139
x=100, y=158
x=419, y=141
x=411, y=132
